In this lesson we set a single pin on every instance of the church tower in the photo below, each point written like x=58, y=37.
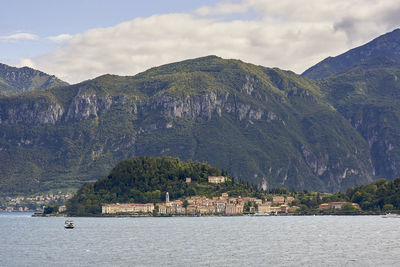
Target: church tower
x=166, y=197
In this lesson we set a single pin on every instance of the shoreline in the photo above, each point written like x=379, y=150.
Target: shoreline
x=174, y=215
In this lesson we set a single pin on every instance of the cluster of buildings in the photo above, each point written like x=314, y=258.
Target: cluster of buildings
x=337, y=205
x=33, y=203
x=222, y=205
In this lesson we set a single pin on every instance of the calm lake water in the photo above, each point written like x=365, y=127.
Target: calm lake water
x=203, y=241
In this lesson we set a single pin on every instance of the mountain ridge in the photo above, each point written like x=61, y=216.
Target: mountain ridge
x=18, y=80
x=387, y=45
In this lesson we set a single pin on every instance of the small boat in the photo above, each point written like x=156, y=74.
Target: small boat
x=69, y=224
x=390, y=215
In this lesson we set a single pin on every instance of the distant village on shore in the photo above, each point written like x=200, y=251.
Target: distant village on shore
x=220, y=205
x=192, y=206
x=34, y=203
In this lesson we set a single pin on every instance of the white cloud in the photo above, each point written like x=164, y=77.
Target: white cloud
x=287, y=34
x=20, y=36
x=60, y=38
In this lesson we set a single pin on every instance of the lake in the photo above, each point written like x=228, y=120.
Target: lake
x=200, y=241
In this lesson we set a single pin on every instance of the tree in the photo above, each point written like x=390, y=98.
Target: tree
x=50, y=209
x=388, y=207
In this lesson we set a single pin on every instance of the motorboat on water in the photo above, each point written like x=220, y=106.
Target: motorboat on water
x=69, y=224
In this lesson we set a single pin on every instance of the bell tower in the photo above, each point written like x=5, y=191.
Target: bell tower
x=166, y=197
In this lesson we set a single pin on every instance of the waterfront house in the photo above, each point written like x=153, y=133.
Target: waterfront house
x=162, y=209
x=336, y=205
x=275, y=209
x=191, y=209
x=284, y=208
x=127, y=208
x=230, y=209
x=239, y=209
x=264, y=208
x=293, y=209
x=220, y=207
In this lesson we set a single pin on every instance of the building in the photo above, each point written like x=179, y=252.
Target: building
x=127, y=208
x=219, y=207
x=62, y=208
x=162, y=209
x=289, y=199
x=275, y=209
x=216, y=179
x=336, y=205
x=203, y=209
x=166, y=197
x=258, y=201
x=230, y=209
x=264, y=208
x=188, y=180
x=284, y=208
x=293, y=209
x=239, y=209
x=324, y=206
x=191, y=209
x=278, y=199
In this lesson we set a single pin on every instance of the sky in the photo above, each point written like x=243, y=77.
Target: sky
x=78, y=40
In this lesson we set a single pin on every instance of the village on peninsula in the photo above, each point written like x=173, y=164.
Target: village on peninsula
x=219, y=205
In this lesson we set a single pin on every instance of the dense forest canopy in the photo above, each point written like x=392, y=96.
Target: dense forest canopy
x=380, y=195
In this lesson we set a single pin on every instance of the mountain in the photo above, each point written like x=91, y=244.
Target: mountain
x=265, y=126
x=17, y=80
x=368, y=96
x=385, y=46
x=363, y=85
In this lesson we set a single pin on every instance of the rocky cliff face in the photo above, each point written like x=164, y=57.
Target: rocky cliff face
x=204, y=106
x=375, y=124
x=38, y=111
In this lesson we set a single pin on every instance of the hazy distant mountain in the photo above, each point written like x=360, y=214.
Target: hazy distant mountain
x=270, y=127
x=385, y=46
x=17, y=80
